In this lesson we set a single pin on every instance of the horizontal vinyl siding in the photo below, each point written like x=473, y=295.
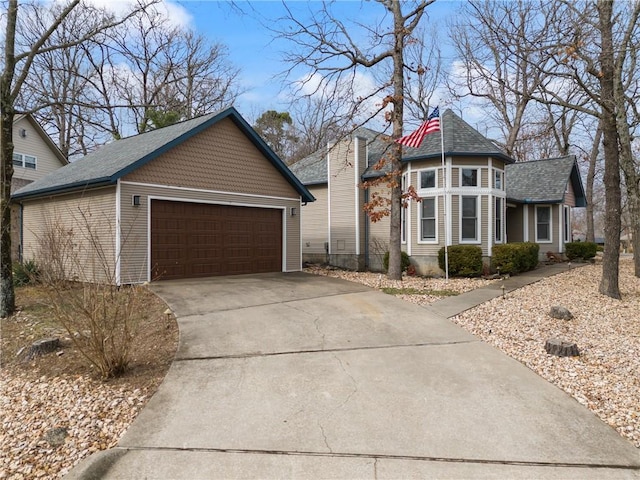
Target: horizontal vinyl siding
x=428, y=248
x=33, y=144
x=342, y=185
x=314, y=221
x=134, y=224
x=86, y=217
x=484, y=224
x=570, y=196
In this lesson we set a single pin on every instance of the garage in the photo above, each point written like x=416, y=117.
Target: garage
x=191, y=240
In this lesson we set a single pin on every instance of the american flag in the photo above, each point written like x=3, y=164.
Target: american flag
x=431, y=125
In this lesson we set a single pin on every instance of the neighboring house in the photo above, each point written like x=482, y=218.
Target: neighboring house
x=469, y=201
x=199, y=198
x=34, y=156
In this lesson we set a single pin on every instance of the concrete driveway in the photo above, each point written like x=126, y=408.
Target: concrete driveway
x=299, y=376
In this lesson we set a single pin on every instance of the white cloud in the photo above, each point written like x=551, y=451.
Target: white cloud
x=175, y=13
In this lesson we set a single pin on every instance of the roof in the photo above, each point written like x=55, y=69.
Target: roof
x=45, y=136
x=116, y=159
x=544, y=181
x=460, y=139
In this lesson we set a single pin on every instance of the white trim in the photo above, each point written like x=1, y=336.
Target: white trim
x=407, y=233
x=478, y=239
x=328, y=199
x=448, y=204
x=118, y=243
x=24, y=162
x=566, y=210
x=189, y=189
x=436, y=210
x=478, y=178
x=419, y=180
x=491, y=227
x=150, y=198
x=300, y=230
x=525, y=222
x=502, y=220
x=550, y=207
x=357, y=194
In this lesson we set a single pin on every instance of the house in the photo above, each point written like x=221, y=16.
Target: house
x=199, y=198
x=466, y=198
x=34, y=156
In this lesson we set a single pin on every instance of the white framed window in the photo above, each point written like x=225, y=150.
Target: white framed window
x=428, y=219
x=499, y=220
x=428, y=179
x=566, y=222
x=498, y=176
x=469, y=219
x=24, y=161
x=469, y=177
x=403, y=212
x=543, y=224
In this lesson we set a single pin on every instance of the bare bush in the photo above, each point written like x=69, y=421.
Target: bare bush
x=78, y=265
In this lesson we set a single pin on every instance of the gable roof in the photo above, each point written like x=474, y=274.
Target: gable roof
x=544, y=181
x=460, y=139
x=116, y=159
x=44, y=135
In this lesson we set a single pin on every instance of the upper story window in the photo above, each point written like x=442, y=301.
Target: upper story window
x=469, y=177
x=24, y=161
x=428, y=179
x=497, y=179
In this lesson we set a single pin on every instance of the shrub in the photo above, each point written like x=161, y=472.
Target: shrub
x=515, y=258
x=25, y=273
x=583, y=250
x=464, y=260
x=404, y=261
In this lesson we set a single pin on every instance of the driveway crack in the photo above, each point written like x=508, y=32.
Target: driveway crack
x=324, y=436
x=353, y=381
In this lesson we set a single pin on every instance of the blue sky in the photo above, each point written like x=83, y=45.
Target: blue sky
x=252, y=47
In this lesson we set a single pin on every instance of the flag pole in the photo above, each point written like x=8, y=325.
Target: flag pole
x=446, y=224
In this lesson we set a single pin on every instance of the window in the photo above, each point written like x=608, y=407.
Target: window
x=428, y=179
x=567, y=223
x=499, y=222
x=428, y=219
x=469, y=177
x=469, y=222
x=24, y=161
x=497, y=180
x=543, y=223
x=403, y=212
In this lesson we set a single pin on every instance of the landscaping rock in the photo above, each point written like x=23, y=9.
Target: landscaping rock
x=561, y=348
x=560, y=313
x=56, y=436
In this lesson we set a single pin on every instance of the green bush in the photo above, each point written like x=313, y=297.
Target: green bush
x=404, y=261
x=583, y=250
x=515, y=258
x=25, y=273
x=464, y=260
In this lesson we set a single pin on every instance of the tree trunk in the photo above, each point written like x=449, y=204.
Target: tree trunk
x=611, y=258
x=7, y=294
x=591, y=176
x=395, y=249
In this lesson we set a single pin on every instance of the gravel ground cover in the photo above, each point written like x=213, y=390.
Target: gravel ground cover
x=605, y=377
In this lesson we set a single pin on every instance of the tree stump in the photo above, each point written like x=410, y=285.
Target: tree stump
x=561, y=348
x=42, y=346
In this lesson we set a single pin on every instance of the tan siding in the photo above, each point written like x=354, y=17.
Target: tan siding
x=455, y=219
x=570, y=196
x=342, y=186
x=470, y=161
x=220, y=158
x=428, y=249
x=134, y=224
x=455, y=177
x=87, y=216
x=314, y=221
x=514, y=221
x=484, y=223
x=33, y=144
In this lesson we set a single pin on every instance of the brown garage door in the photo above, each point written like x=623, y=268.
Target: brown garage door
x=202, y=240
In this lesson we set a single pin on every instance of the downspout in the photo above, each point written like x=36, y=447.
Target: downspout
x=328, y=246
x=367, y=263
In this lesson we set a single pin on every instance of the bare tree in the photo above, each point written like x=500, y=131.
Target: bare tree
x=326, y=45
x=18, y=60
x=493, y=40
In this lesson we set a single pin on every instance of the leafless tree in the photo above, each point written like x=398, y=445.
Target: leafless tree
x=17, y=63
x=334, y=51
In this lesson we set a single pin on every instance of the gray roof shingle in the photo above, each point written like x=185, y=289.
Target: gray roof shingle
x=116, y=159
x=544, y=181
